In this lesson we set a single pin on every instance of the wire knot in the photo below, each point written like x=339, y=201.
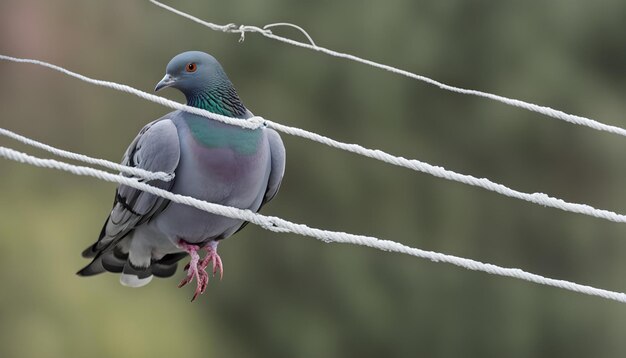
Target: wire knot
x=248, y=28
x=257, y=122
x=165, y=176
x=229, y=27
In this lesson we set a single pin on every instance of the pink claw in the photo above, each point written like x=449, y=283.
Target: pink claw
x=197, y=269
x=194, y=270
x=213, y=257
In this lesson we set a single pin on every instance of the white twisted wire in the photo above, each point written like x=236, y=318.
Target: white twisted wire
x=413, y=164
x=276, y=224
x=252, y=123
x=547, y=111
x=138, y=172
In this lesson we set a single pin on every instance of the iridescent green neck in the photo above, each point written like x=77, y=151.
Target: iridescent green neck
x=210, y=134
x=222, y=100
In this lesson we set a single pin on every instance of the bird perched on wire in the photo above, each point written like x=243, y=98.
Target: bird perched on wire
x=145, y=235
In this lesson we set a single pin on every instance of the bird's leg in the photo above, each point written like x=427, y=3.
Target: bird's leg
x=195, y=269
x=212, y=256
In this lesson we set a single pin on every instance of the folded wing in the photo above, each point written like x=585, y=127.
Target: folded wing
x=156, y=148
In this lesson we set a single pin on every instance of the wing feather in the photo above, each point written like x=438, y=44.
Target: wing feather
x=156, y=148
x=277, y=171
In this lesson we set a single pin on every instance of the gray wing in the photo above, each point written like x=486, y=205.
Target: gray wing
x=277, y=171
x=156, y=148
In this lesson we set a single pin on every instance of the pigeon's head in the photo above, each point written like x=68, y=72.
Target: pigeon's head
x=193, y=72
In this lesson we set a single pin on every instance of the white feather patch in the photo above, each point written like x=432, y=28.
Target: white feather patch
x=134, y=281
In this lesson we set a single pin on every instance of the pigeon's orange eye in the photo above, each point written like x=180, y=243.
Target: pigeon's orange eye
x=191, y=67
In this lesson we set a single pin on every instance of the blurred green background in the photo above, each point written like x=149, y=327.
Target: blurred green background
x=287, y=296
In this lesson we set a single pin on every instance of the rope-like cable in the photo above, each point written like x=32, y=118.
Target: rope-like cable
x=138, y=172
x=547, y=111
x=280, y=225
x=440, y=172
x=251, y=123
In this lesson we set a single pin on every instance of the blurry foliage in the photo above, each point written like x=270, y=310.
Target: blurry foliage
x=285, y=296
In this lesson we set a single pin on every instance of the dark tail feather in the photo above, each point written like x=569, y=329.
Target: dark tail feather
x=115, y=260
x=95, y=267
x=170, y=259
x=111, y=261
x=92, y=250
x=163, y=271
x=166, y=266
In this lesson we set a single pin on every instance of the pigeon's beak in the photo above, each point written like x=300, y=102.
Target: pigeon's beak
x=167, y=81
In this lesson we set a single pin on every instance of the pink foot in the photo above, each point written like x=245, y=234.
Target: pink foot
x=212, y=256
x=197, y=269
x=194, y=269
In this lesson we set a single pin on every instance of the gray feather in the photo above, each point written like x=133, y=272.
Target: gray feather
x=156, y=148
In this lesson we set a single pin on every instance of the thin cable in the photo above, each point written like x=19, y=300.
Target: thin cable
x=276, y=224
x=547, y=111
x=138, y=172
x=251, y=123
x=295, y=27
x=440, y=172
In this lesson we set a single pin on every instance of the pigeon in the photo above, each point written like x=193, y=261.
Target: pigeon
x=145, y=235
